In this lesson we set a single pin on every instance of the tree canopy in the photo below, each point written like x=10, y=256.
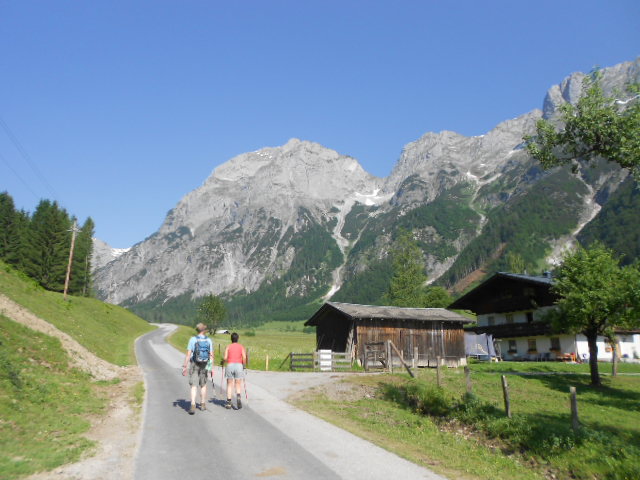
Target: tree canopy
x=597, y=296
x=598, y=126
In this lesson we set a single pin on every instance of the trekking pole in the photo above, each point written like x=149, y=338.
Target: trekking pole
x=221, y=378
x=244, y=381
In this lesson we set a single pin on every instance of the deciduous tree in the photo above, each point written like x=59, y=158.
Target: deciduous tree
x=598, y=126
x=212, y=312
x=596, y=297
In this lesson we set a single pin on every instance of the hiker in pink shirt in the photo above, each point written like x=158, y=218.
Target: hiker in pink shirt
x=235, y=360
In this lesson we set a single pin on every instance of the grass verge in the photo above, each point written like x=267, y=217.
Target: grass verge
x=43, y=403
x=469, y=436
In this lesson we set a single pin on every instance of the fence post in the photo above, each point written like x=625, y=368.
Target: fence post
x=266, y=363
x=575, y=422
x=467, y=375
x=389, y=357
x=438, y=361
x=505, y=392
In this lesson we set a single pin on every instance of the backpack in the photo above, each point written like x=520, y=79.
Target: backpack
x=201, y=350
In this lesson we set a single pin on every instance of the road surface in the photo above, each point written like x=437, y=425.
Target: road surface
x=267, y=438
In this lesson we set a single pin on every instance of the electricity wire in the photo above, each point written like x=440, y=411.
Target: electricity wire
x=25, y=155
x=26, y=185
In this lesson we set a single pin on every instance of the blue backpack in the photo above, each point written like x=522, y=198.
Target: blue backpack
x=201, y=350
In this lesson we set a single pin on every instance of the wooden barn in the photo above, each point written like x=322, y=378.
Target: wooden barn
x=428, y=333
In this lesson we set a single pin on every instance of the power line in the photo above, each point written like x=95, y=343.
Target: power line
x=26, y=185
x=27, y=158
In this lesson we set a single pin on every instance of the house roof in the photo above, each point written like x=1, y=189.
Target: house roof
x=496, y=294
x=355, y=311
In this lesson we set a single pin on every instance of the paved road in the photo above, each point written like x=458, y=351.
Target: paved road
x=267, y=438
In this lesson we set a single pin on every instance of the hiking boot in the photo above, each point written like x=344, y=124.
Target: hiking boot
x=238, y=402
x=228, y=404
x=192, y=410
x=203, y=406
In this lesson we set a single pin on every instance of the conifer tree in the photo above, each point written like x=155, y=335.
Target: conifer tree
x=80, y=283
x=407, y=287
x=48, y=245
x=7, y=223
x=17, y=247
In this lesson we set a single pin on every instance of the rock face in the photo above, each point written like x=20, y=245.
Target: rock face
x=236, y=229
x=302, y=218
x=103, y=253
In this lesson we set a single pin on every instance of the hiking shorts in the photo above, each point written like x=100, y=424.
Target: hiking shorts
x=198, y=373
x=234, y=370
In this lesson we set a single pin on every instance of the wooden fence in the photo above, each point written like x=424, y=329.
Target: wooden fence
x=323, y=361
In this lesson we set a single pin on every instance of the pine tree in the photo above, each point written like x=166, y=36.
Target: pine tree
x=81, y=282
x=47, y=251
x=407, y=287
x=17, y=247
x=7, y=223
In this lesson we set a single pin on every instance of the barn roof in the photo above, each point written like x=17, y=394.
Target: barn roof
x=354, y=311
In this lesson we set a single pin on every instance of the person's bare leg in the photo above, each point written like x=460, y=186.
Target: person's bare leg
x=229, y=392
x=238, y=392
x=203, y=397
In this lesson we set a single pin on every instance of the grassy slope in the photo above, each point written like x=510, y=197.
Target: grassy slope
x=107, y=330
x=537, y=441
x=44, y=404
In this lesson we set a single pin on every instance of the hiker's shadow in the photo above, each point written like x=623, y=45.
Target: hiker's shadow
x=183, y=404
x=186, y=404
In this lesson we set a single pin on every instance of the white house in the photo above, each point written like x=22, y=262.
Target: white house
x=510, y=307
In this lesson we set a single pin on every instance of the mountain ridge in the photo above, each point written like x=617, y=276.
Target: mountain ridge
x=261, y=219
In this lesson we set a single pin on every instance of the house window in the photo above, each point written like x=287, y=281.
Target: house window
x=555, y=344
x=491, y=320
x=529, y=292
x=512, y=346
x=532, y=345
x=509, y=317
x=529, y=317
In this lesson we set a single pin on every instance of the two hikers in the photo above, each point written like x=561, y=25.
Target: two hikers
x=235, y=360
x=196, y=364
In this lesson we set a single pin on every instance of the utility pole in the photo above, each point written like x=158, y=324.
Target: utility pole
x=73, y=231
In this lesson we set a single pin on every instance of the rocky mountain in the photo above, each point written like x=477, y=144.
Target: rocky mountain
x=277, y=230
x=104, y=253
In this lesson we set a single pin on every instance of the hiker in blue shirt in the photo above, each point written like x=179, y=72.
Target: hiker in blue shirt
x=198, y=362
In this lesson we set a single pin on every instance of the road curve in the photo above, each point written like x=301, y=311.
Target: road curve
x=267, y=438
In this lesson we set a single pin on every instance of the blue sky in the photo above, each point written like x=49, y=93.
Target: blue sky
x=117, y=109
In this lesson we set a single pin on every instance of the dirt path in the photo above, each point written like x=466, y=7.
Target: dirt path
x=116, y=432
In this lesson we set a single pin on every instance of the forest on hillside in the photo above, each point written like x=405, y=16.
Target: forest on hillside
x=38, y=245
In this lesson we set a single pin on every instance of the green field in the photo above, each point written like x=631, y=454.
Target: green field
x=464, y=436
x=276, y=339
x=45, y=404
